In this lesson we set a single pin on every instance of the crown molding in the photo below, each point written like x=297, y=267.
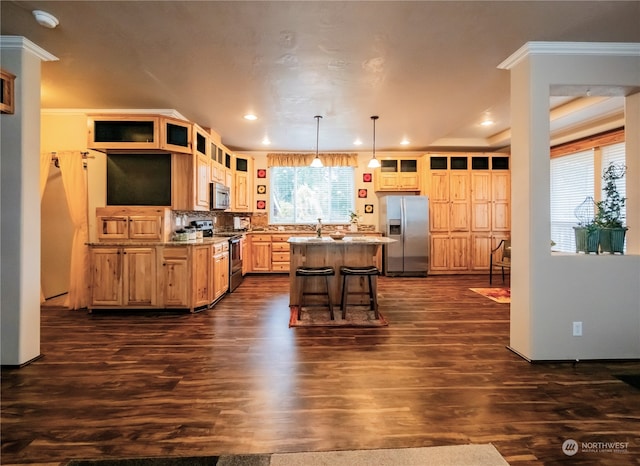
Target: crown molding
x=612, y=49
x=22, y=43
x=167, y=112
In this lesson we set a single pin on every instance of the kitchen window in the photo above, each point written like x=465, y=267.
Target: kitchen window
x=301, y=195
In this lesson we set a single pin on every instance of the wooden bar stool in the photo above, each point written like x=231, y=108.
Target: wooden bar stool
x=325, y=272
x=368, y=271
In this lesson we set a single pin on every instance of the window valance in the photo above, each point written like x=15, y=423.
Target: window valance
x=304, y=159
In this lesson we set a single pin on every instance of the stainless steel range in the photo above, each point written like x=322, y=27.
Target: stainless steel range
x=235, y=259
x=235, y=250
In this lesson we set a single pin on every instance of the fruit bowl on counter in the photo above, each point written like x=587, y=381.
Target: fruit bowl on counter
x=338, y=235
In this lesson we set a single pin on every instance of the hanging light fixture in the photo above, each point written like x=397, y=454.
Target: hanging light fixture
x=317, y=163
x=374, y=163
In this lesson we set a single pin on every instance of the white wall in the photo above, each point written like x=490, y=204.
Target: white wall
x=20, y=203
x=551, y=292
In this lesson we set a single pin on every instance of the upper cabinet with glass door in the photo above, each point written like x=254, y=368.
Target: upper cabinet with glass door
x=177, y=135
x=139, y=132
x=127, y=132
x=398, y=174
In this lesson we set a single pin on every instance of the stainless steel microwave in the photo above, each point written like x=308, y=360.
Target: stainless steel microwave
x=219, y=196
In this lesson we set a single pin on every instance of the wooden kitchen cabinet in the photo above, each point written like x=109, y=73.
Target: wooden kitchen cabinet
x=176, y=135
x=175, y=277
x=260, y=253
x=106, y=277
x=129, y=132
x=132, y=223
x=123, y=276
x=469, y=207
x=398, y=174
x=202, y=177
x=242, y=199
x=220, y=273
x=449, y=253
x=201, y=272
x=280, y=253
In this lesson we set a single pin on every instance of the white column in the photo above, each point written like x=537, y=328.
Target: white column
x=551, y=292
x=20, y=204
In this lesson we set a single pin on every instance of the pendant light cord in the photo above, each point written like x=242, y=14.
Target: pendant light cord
x=374, y=118
x=317, y=117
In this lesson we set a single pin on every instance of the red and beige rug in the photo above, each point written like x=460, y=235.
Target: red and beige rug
x=319, y=317
x=499, y=295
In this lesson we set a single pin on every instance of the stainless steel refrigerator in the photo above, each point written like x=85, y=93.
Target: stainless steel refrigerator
x=405, y=219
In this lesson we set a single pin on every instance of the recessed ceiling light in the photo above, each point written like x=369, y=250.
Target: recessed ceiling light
x=45, y=19
x=487, y=122
x=405, y=142
x=250, y=117
x=266, y=141
x=357, y=142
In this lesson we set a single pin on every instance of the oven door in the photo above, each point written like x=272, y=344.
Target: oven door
x=235, y=263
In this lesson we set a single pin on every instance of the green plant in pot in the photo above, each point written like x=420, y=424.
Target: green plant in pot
x=609, y=211
x=587, y=233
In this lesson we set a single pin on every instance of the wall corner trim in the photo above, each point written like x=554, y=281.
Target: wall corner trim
x=22, y=43
x=623, y=49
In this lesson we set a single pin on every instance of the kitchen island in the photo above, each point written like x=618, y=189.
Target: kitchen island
x=354, y=251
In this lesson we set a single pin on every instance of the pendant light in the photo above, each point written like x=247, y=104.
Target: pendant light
x=317, y=163
x=374, y=163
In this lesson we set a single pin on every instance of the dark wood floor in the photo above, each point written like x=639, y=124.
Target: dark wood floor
x=236, y=379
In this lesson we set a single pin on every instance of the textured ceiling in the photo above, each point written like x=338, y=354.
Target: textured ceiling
x=428, y=69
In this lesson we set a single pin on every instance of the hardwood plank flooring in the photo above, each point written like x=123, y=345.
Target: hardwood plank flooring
x=236, y=379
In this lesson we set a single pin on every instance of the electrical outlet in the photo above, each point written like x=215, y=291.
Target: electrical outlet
x=577, y=329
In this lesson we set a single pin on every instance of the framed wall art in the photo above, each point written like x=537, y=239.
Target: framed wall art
x=7, y=96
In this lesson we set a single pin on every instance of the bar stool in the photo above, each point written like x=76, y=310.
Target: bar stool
x=325, y=272
x=368, y=271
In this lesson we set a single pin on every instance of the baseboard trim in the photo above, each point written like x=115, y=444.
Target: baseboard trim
x=18, y=366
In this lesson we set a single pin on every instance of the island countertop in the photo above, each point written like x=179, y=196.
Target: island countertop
x=347, y=240
x=311, y=251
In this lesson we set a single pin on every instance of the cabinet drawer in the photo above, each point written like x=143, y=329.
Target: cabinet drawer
x=280, y=247
x=280, y=257
x=280, y=238
x=261, y=238
x=220, y=247
x=175, y=253
x=280, y=266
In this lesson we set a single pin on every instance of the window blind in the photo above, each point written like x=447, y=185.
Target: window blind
x=572, y=181
x=304, y=194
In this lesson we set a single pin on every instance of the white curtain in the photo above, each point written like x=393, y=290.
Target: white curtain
x=45, y=165
x=75, y=188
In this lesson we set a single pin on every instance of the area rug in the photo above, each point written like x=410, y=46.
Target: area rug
x=455, y=455
x=319, y=317
x=499, y=295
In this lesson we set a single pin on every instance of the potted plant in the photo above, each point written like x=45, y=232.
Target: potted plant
x=587, y=233
x=353, y=220
x=609, y=211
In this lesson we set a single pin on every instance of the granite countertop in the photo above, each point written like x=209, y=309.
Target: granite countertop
x=129, y=243
x=308, y=232
x=347, y=240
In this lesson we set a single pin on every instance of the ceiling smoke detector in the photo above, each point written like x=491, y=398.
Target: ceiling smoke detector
x=45, y=19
